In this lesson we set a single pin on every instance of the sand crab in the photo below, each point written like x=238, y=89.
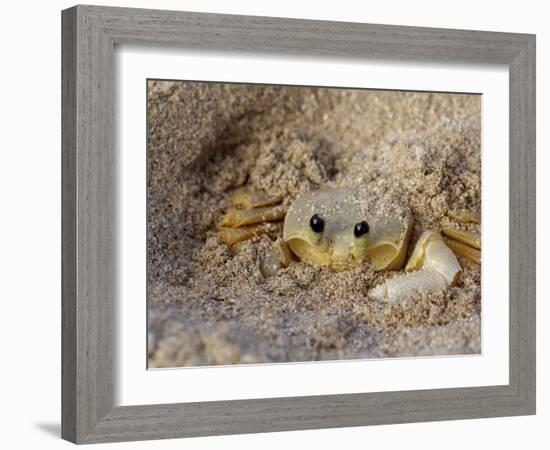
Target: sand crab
x=331, y=228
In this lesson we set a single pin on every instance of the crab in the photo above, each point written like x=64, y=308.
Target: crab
x=332, y=228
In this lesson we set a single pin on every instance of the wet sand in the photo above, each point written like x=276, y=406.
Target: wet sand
x=207, y=306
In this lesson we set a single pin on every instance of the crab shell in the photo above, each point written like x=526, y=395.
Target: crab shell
x=337, y=247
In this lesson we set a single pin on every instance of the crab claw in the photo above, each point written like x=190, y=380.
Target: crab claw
x=432, y=266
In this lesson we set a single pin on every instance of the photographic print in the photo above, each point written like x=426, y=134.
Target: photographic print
x=298, y=224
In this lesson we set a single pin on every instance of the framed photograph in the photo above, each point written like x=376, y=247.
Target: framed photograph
x=278, y=224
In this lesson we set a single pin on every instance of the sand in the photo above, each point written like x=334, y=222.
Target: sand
x=207, y=306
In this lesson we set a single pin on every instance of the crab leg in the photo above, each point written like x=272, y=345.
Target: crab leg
x=465, y=216
x=239, y=217
x=249, y=218
x=230, y=236
x=246, y=198
x=279, y=256
x=464, y=243
x=432, y=266
x=461, y=249
x=471, y=239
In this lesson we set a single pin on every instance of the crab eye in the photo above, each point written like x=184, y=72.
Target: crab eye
x=361, y=229
x=316, y=223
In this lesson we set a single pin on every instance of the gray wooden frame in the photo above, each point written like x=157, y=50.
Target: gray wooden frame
x=89, y=36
